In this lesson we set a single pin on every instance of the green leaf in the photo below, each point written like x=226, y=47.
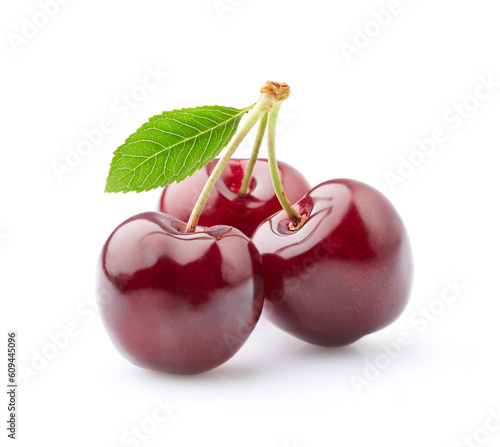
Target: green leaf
x=171, y=147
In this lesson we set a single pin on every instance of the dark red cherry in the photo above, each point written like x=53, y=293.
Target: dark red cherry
x=346, y=273
x=177, y=302
x=225, y=205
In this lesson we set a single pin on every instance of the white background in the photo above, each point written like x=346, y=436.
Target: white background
x=356, y=119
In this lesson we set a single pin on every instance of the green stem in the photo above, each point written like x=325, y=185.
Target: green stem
x=255, y=153
x=292, y=214
x=263, y=105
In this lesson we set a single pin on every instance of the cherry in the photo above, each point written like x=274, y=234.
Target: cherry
x=174, y=301
x=346, y=272
x=225, y=205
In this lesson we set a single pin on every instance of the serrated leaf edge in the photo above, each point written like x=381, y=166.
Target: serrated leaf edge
x=155, y=118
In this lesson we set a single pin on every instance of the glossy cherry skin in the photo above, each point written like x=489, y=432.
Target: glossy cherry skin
x=346, y=273
x=225, y=205
x=176, y=302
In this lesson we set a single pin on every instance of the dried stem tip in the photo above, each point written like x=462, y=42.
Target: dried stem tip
x=271, y=88
x=284, y=92
x=279, y=91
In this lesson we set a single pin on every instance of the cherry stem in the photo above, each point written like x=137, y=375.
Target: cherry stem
x=263, y=105
x=292, y=214
x=255, y=153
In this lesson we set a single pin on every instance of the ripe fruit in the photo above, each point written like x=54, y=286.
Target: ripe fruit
x=177, y=302
x=183, y=298
x=225, y=205
x=345, y=273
